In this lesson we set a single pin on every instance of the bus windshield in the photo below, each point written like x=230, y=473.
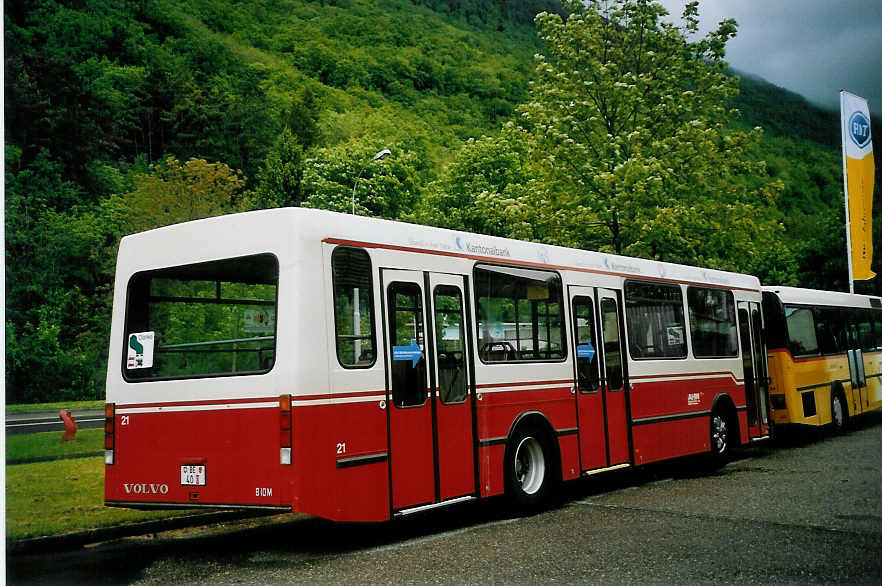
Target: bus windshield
x=209, y=319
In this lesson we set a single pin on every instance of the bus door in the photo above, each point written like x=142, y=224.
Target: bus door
x=756, y=378
x=857, y=370
x=454, y=437
x=429, y=405
x=601, y=400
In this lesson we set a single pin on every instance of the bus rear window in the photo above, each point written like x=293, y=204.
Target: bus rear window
x=209, y=319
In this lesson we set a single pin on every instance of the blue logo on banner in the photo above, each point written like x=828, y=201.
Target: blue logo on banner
x=585, y=351
x=412, y=352
x=859, y=129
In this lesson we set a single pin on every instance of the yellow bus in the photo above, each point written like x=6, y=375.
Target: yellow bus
x=825, y=355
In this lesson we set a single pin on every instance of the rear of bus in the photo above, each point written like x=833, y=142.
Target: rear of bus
x=196, y=415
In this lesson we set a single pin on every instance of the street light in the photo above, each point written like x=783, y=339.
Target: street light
x=380, y=155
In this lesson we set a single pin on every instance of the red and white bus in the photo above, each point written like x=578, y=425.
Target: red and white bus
x=357, y=369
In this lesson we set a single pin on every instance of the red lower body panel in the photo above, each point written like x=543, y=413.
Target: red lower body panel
x=660, y=441
x=239, y=449
x=497, y=413
x=342, y=462
x=672, y=418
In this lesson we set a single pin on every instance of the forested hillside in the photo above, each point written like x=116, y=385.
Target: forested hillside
x=802, y=147
x=112, y=106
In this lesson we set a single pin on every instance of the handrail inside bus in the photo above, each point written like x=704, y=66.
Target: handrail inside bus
x=215, y=342
x=210, y=300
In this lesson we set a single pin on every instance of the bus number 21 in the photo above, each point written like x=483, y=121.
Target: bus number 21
x=341, y=448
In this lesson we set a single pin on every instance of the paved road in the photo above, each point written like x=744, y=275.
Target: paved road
x=39, y=421
x=807, y=511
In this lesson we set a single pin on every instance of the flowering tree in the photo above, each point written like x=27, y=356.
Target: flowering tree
x=631, y=146
x=633, y=135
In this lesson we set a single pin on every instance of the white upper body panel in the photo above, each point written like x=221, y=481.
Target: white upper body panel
x=304, y=338
x=798, y=296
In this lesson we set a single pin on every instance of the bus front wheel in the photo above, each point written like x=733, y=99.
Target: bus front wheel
x=720, y=436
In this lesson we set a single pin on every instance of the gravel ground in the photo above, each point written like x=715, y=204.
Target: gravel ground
x=805, y=510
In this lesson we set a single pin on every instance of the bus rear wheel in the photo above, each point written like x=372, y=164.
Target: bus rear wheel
x=528, y=469
x=838, y=413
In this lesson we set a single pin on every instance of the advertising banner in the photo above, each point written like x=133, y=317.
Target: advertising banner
x=857, y=161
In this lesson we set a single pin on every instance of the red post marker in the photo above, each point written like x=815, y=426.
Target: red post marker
x=70, y=426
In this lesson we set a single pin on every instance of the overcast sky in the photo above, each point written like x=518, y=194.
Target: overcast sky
x=811, y=47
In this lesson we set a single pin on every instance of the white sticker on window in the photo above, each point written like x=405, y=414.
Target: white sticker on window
x=140, y=350
x=675, y=336
x=261, y=321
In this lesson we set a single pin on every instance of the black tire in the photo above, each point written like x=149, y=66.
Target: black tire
x=721, y=434
x=529, y=469
x=838, y=413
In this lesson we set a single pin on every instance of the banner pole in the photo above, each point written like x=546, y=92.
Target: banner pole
x=842, y=125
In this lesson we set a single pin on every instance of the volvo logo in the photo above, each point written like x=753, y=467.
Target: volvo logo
x=859, y=129
x=145, y=488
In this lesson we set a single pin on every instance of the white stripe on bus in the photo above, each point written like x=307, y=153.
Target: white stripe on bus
x=180, y=408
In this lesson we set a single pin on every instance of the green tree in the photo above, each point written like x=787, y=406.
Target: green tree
x=489, y=188
x=59, y=275
x=303, y=119
x=385, y=188
x=630, y=133
x=278, y=182
x=230, y=117
x=178, y=192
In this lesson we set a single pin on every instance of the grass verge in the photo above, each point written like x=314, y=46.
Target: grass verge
x=25, y=407
x=52, y=498
x=36, y=446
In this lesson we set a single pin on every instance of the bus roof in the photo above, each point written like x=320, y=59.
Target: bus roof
x=801, y=296
x=243, y=233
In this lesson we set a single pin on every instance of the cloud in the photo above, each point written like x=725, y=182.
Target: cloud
x=811, y=47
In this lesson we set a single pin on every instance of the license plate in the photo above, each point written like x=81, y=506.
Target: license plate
x=193, y=475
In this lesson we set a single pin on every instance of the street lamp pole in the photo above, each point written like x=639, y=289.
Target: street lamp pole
x=379, y=156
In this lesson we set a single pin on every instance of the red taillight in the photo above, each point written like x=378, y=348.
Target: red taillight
x=285, y=421
x=109, y=424
x=285, y=429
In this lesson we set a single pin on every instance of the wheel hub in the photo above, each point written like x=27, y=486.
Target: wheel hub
x=720, y=435
x=529, y=464
x=837, y=412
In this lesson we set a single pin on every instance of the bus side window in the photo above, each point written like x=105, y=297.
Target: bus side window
x=656, y=326
x=712, y=322
x=831, y=332
x=865, y=330
x=353, y=307
x=877, y=327
x=520, y=314
x=801, y=328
